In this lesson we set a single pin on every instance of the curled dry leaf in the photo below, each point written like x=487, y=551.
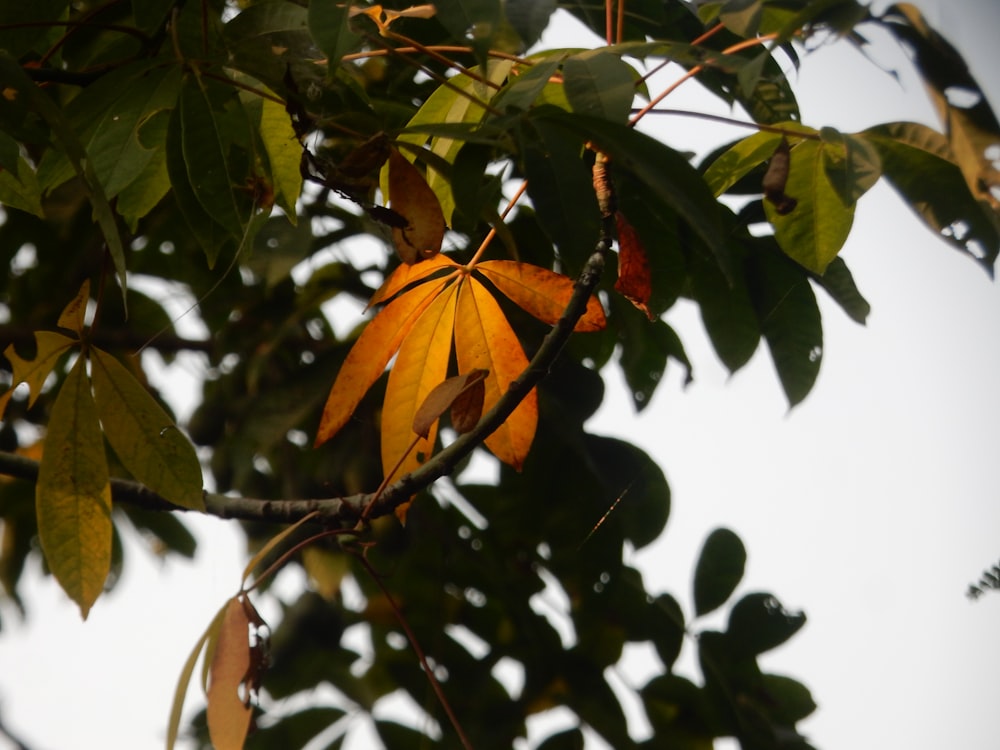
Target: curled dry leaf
x=635, y=280
x=228, y=713
x=412, y=198
x=463, y=394
x=776, y=178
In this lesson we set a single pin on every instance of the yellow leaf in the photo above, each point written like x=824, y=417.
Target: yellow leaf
x=284, y=151
x=485, y=340
x=73, y=494
x=49, y=346
x=422, y=364
x=406, y=274
x=370, y=354
x=412, y=198
x=143, y=436
x=227, y=712
x=541, y=292
x=73, y=314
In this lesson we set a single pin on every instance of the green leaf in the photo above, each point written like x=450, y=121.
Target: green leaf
x=667, y=174
x=17, y=80
x=727, y=312
x=150, y=15
x=529, y=18
x=745, y=155
x=143, y=436
x=599, y=84
x=815, y=230
x=25, y=25
x=285, y=155
x=742, y=17
x=852, y=164
x=666, y=621
x=205, y=154
x=758, y=623
x=474, y=22
x=838, y=282
x=520, y=92
x=719, y=570
x=791, y=701
x=118, y=153
x=151, y=185
x=19, y=188
x=73, y=493
x=329, y=25
x=568, y=739
x=645, y=349
x=917, y=162
x=789, y=319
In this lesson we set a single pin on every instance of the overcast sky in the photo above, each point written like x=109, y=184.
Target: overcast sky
x=871, y=506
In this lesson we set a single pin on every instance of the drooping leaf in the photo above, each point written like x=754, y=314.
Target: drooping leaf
x=412, y=198
x=228, y=713
x=73, y=493
x=634, y=281
x=421, y=365
x=211, y=634
x=49, y=347
x=917, y=162
x=599, y=84
x=484, y=340
x=541, y=292
x=719, y=570
x=370, y=354
x=449, y=395
x=143, y=436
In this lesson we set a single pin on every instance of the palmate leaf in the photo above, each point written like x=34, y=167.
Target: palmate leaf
x=73, y=493
x=419, y=322
x=49, y=347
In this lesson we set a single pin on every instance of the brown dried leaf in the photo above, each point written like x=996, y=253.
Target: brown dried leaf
x=776, y=178
x=635, y=280
x=228, y=712
x=412, y=198
x=457, y=393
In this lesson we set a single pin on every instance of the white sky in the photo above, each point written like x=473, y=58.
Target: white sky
x=870, y=506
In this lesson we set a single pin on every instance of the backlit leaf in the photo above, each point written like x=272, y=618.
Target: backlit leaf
x=541, y=292
x=634, y=280
x=421, y=365
x=370, y=354
x=852, y=164
x=73, y=493
x=814, y=232
x=285, y=155
x=405, y=275
x=145, y=439
x=745, y=155
x=228, y=713
x=484, y=340
x=411, y=197
x=49, y=346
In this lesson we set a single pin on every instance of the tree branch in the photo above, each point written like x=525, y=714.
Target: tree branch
x=347, y=510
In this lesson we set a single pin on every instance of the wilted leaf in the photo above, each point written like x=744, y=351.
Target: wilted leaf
x=422, y=364
x=370, y=354
x=228, y=712
x=484, y=340
x=634, y=281
x=412, y=198
x=541, y=292
x=457, y=393
x=146, y=440
x=73, y=493
x=180, y=691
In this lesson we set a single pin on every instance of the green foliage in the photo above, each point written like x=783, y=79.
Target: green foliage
x=233, y=154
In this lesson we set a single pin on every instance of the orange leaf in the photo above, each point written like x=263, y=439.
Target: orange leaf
x=412, y=198
x=485, y=340
x=370, y=354
x=635, y=281
x=541, y=292
x=406, y=274
x=422, y=364
x=458, y=393
x=227, y=713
